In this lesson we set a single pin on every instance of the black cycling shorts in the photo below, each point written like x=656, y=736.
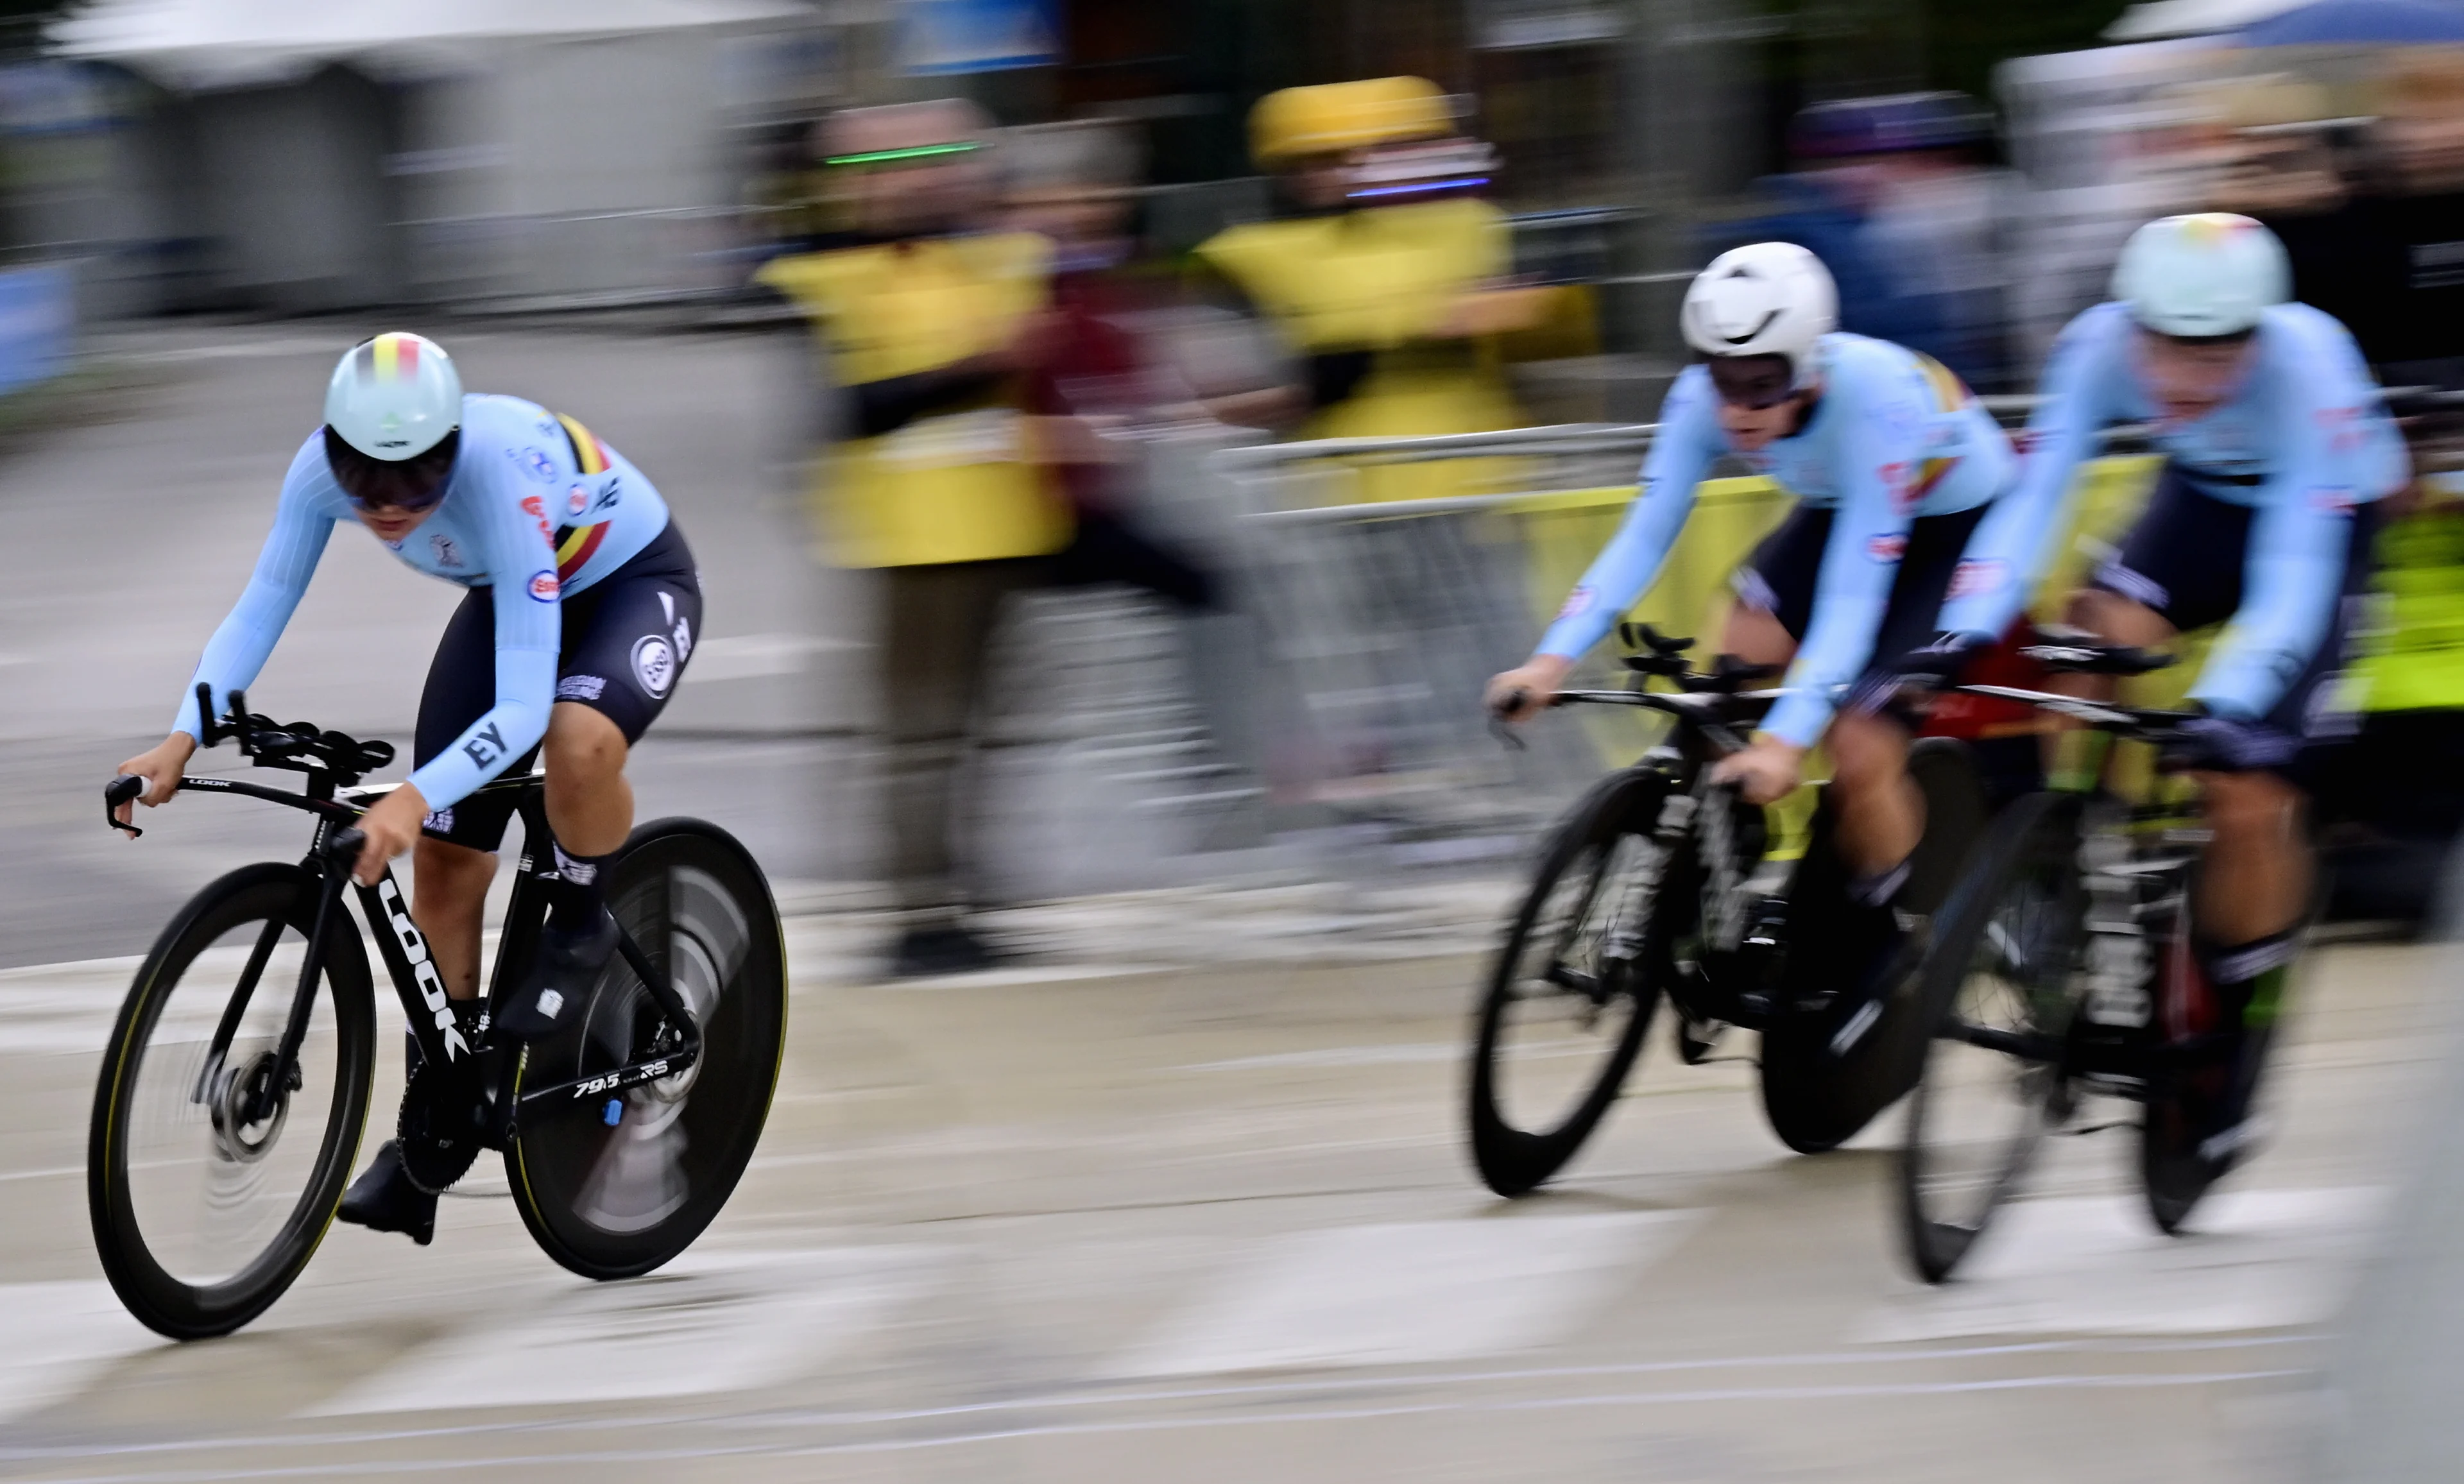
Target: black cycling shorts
x=626, y=640
x=2186, y=560
x=1781, y=575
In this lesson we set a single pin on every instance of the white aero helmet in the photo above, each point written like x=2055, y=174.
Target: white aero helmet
x=1768, y=298
x=2202, y=276
x=394, y=396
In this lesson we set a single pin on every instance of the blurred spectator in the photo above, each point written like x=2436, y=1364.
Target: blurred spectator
x=932, y=324
x=1102, y=378
x=1892, y=193
x=1384, y=279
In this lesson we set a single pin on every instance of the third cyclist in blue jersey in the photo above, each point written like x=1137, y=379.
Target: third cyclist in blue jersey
x=2276, y=452
x=1892, y=464
x=581, y=607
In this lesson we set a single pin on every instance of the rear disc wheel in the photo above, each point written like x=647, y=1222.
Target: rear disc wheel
x=614, y=1185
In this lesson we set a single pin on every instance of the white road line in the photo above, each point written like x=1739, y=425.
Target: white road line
x=726, y=1322
x=1408, y=1291
x=2257, y=1259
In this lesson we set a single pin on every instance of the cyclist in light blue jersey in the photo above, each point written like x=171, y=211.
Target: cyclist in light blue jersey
x=1892, y=464
x=2277, y=452
x=582, y=606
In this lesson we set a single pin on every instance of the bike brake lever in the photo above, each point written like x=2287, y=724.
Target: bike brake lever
x=120, y=791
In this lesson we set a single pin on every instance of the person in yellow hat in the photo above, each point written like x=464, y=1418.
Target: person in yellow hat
x=1384, y=280
x=931, y=326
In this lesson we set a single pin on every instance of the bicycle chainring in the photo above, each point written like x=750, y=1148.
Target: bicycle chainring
x=438, y=1129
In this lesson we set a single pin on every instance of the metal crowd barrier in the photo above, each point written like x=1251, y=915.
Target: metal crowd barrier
x=1383, y=618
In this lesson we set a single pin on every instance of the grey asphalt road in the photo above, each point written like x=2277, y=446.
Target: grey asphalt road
x=1112, y=1220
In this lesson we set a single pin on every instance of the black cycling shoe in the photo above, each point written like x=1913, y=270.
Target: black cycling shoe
x=943, y=949
x=2201, y=1123
x=384, y=1199
x=561, y=979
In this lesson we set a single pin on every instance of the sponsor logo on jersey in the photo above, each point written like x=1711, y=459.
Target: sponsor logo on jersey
x=1886, y=548
x=536, y=463
x=543, y=586
x=447, y=555
x=2333, y=499
x=1577, y=603
x=576, y=500
x=684, y=640
x=537, y=508
x=1970, y=578
x=654, y=664
x=581, y=687
x=441, y=820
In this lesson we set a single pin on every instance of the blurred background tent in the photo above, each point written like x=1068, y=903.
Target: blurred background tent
x=302, y=155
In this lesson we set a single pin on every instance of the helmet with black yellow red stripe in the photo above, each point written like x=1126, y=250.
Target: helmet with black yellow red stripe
x=394, y=396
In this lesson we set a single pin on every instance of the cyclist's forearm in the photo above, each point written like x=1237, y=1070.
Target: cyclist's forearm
x=525, y=683
x=2295, y=576
x=241, y=644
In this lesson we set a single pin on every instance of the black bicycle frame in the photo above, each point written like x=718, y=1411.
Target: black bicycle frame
x=404, y=951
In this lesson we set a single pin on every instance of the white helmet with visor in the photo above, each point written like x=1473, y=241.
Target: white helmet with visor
x=1768, y=298
x=395, y=396
x=2204, y=276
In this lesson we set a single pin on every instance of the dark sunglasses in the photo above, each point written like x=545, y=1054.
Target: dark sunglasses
x=1757, y=383
x=408, y=505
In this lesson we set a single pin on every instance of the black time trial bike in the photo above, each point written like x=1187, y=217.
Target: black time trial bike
x=237, y=1078
x=2061, y=972
x=1655, y=885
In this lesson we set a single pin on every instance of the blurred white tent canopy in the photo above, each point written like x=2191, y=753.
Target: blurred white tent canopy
x=306, y=155
x=2161, y=18
x=194, y=44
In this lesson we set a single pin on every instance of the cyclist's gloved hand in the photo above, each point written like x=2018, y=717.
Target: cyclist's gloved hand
x=2209, y=743
x=1942, y=660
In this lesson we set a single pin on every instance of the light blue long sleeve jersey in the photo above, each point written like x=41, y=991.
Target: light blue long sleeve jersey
x=1894, y=437
x=518, y=497
x=2302, y=441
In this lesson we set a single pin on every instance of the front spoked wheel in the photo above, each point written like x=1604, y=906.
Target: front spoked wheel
x=211, y=1174
x=2001, y=995
x=615, y=1185
x=1571, y=995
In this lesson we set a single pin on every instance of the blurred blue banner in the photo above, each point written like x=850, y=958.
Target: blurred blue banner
x=37, y=314
x=940, y=37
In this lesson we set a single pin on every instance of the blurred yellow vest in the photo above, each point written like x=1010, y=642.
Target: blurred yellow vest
x=1382, y=280
x=959, y=485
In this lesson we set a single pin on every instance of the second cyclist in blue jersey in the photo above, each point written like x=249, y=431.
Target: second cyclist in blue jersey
x=2276, y=452
x=582, y=606
x=1892, y=463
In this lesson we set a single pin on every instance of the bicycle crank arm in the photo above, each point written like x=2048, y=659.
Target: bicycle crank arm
x=619, y=1080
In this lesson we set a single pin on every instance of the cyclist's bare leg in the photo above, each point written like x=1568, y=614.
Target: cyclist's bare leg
x=2256, y=881
x=589, y=802
x=1881, y=813
x=448, y=897
x=1755, y=636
